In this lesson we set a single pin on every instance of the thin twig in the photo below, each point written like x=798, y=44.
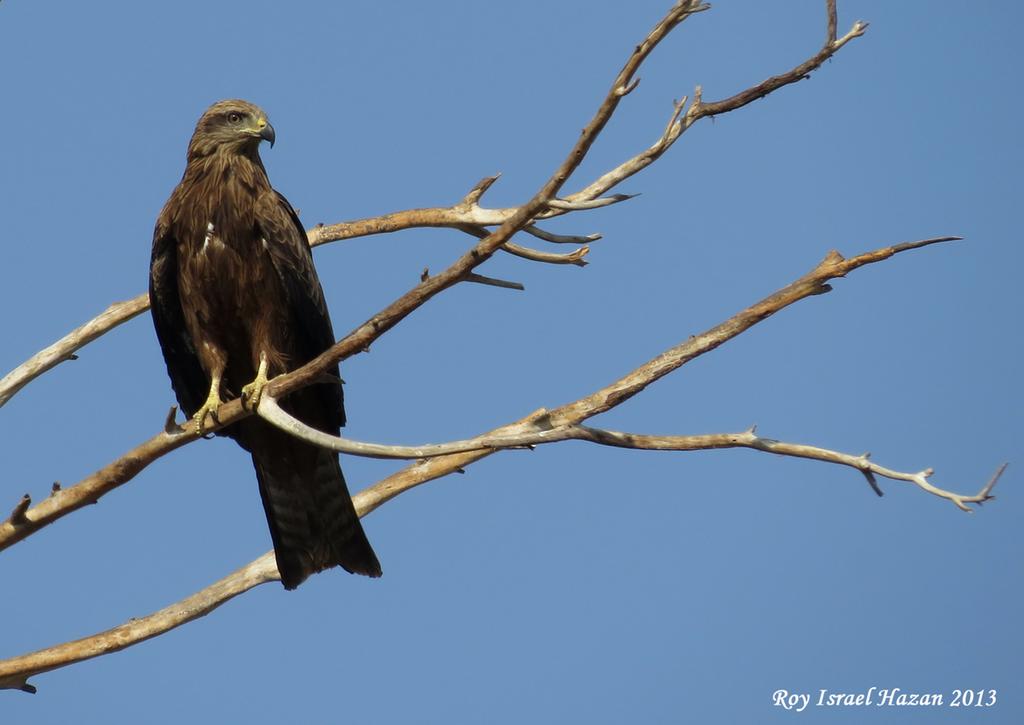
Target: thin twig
x=535, y=255
x=560, y=238
x=17, y=517
x=494, y=281
x=749, y=439
x=698, y=109
x=572, y=205
x=14, y=672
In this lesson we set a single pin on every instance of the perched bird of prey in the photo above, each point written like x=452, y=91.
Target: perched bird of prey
x=235, y=301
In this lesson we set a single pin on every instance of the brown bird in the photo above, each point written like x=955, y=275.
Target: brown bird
x=236, y=300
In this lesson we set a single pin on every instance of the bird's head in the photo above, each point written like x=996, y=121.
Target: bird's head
x=233, y=126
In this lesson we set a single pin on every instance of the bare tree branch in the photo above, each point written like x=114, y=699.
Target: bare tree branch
x=14, y=672
x=572, y=205
x=65, y=347
x=529, y=435
x=560, y=238
x=750, y=439
x=680, y=122
x=698, y=109
x=91, y=488
x=573, y=257
x=18, y=513
x=494, y=282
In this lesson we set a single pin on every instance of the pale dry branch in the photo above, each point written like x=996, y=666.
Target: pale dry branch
x=750, y=439
x=529, y=435
x=561, y=238
x=574, y=257
x=63, y=501
x=574, y=205
x=473, y=196
x=271, y=411
x=634, y=165
x=679, y=121
x=699, y=109
x=64, y=349
x=18, y=513
x=14, y=672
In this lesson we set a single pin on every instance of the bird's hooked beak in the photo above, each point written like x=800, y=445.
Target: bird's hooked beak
x=266, y=130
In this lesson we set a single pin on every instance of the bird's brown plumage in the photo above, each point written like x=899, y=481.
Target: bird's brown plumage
x=232, y=281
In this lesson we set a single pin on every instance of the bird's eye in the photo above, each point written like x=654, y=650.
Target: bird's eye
x=234, y=117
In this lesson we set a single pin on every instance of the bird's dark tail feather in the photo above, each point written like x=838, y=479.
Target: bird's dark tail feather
x=312, y=520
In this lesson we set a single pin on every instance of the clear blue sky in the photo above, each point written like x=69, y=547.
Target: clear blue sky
x=571, y=584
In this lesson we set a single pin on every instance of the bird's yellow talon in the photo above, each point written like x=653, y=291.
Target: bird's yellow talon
x=252, y=392
x=209, y=409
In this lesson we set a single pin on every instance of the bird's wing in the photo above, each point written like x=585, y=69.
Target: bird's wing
x=187, y=377
x=310, y=320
